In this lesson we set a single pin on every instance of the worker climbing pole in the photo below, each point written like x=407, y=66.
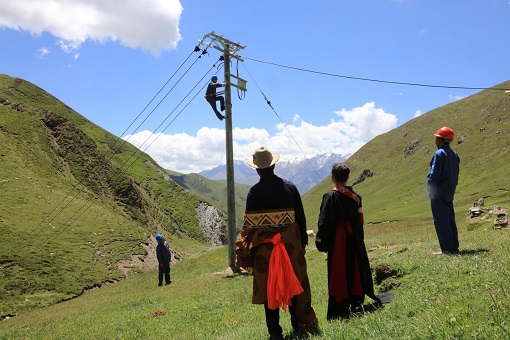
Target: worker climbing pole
x=229, y=50
x=212, y=96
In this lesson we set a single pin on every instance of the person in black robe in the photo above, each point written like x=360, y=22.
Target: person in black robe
x=340, y=234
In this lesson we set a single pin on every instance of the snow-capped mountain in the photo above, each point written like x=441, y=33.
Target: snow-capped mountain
x=304, y=173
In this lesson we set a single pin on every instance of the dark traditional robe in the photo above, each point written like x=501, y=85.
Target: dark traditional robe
x=341, y=235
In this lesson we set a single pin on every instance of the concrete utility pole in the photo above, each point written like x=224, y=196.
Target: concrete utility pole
x=229, y=50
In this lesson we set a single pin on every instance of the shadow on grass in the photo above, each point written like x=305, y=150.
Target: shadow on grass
x=232, y=276
x=358, y=312
x=473, y=251
x=233, y=272
x=306, y=333
x=370, y=308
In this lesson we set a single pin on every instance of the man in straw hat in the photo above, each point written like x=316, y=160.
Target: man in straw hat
x=272, y=242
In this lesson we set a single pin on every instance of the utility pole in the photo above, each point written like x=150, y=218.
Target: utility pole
x=229, y=50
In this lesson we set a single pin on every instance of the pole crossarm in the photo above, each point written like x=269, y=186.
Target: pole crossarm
x=223, y=45
x=241, y=83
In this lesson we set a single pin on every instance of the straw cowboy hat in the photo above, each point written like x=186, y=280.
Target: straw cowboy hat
x=263, y=158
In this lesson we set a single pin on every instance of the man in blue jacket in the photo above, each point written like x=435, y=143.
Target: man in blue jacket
x=441, y=184
x=164, y=255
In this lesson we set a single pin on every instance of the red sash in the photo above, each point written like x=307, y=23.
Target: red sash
x=352, y=195
x=347, y=193
x=282, y=283
x=338, y=285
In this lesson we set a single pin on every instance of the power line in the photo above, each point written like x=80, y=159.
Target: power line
x=284, y=125
x=268, y=102
x=87, y=206
x=197, y=49
x=62, y=208
x=374, y=80
x=168, y=116
x=119, y=169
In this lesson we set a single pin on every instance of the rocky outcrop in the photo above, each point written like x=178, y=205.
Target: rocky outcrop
x=213, y=224
x=411, y=147
x=363, y=176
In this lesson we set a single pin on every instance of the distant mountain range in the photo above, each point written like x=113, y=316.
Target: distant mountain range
x=304, y=173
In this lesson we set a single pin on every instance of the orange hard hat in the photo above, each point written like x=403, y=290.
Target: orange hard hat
x=445, y=132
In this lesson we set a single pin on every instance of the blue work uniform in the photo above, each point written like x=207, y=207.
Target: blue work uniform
x=441, y=184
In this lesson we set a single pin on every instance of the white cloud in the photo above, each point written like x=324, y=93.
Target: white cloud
x=346, y=134
x=42, y=52
x=68, y=47
x=455, y=97
x=367, y=121
x=417, y=113
x=152, y=25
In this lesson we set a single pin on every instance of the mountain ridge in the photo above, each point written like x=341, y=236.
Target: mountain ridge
x=303, y=172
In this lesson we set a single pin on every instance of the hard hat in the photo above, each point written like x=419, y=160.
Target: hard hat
x=214, y=77
x=445, y=133
x=159, y=237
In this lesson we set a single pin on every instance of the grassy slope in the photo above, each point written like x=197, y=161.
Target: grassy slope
x=397, y=191
x=67, y=214
x=214, y=192
x=437, y=297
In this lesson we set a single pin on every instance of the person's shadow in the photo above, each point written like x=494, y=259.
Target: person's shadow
x=473, y=251
x=370, y=308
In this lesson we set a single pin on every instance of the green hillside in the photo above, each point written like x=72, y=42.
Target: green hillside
x=437, y=297
x=213, y=192
x=74, y=200
x=400, y=158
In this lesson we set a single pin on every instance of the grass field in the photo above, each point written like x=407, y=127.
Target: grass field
x=437, y=297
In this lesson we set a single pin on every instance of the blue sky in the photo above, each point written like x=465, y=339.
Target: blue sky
x=108, y=59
